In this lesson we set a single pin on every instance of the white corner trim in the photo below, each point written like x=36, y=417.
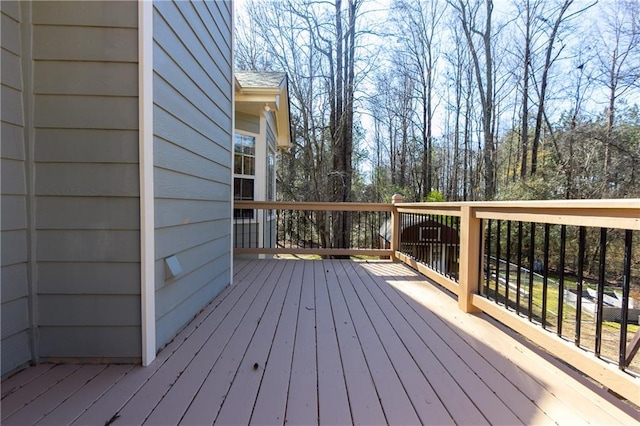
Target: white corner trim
x=147, y=224
x=233, y=129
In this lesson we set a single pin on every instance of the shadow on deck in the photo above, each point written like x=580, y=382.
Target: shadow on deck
x=330, y=342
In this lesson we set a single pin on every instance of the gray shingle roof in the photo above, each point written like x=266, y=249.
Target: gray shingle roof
x=260, y=79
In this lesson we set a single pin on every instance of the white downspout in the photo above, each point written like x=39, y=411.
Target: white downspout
x=147, y=223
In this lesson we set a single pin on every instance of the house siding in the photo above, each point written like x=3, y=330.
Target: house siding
x=85, y=119
x=192, y=160
x=248, y=123
x=15, y=288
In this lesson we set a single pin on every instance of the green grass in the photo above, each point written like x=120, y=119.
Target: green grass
x=631, y=328
x=552, y=298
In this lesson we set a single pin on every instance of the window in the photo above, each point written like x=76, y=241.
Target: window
x=271, y=175
x=244, y=170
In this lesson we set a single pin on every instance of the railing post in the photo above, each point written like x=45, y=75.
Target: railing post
x=470, y=238
x=395, y=226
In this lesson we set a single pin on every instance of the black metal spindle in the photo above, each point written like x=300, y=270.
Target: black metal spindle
x=445, y=236
x=532, y=248
x=582, y=236
x=626, y=286
x=481, y=243
x=519, y=273
x=250, y=228
x=440, y=235
x=498, y=244
x=545, y=277
x=235, y=231
x=600, y=292
x=457, y=248
x=507, y=267
x=563, y=251
x=488, y=255
x=277, y=228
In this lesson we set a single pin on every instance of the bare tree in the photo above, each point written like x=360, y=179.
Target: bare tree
x=418, y=25
x=474, y=29
x=550, y=58
x=619, y=63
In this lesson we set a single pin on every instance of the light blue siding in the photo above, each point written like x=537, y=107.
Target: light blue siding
x=15, y=311
x=87, y=239
x=192, y=158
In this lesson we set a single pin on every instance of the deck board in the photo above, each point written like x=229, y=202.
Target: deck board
x=216, y=335
x=57, y=394
x=31, y=393
x=238, y=403
x=392, y=394
x=271, y=400
x=18, y=381
x=336, y=342
x=333, y=401
x=67, y=412
x=364, y=398
x=530, y=374
x=207, y=402
x=302, y=397
x=422, y=395
x=460, y=365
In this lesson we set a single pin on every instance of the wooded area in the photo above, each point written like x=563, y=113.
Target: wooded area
x=452, y=99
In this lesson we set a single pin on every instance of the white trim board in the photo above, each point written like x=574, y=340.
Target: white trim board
x=147, y=222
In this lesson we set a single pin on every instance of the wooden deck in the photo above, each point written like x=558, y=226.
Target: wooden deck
x=331, y=342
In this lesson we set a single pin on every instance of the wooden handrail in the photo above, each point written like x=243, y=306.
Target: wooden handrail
x=618, y=213
x=309, y=206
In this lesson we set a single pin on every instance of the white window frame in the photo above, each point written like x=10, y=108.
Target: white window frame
x=256, y=138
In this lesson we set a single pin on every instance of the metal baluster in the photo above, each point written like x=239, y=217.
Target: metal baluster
x=626, y=285
x=532, y=248
x=488, y=255
x=441, y=243
x=581, y=249
x=563, y=251
x=250, y=226
x=507, y=268
x=601, y=283
x=457, y=248
x=498, y=242
x=519, y=275
x=545, y=279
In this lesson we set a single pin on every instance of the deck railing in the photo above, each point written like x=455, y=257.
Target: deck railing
x=328, y=229
x=561, y=273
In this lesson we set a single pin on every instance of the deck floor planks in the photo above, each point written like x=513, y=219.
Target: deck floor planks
x=271, y=400
x=32, y=391
x=522, y=397
x=118, y=396
x=73, y=407
x=239, y=401
x=403, y=327
x=206, y=403
x=457, y=339
x=55, y=395
x=23, y=378
x=333, y=402
x=395, y=400
x=302, y=398
x=561, y=403
x=419, y=390
x=198, y=356
x=364, y=399
x=455, y=365
x=435, y=368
